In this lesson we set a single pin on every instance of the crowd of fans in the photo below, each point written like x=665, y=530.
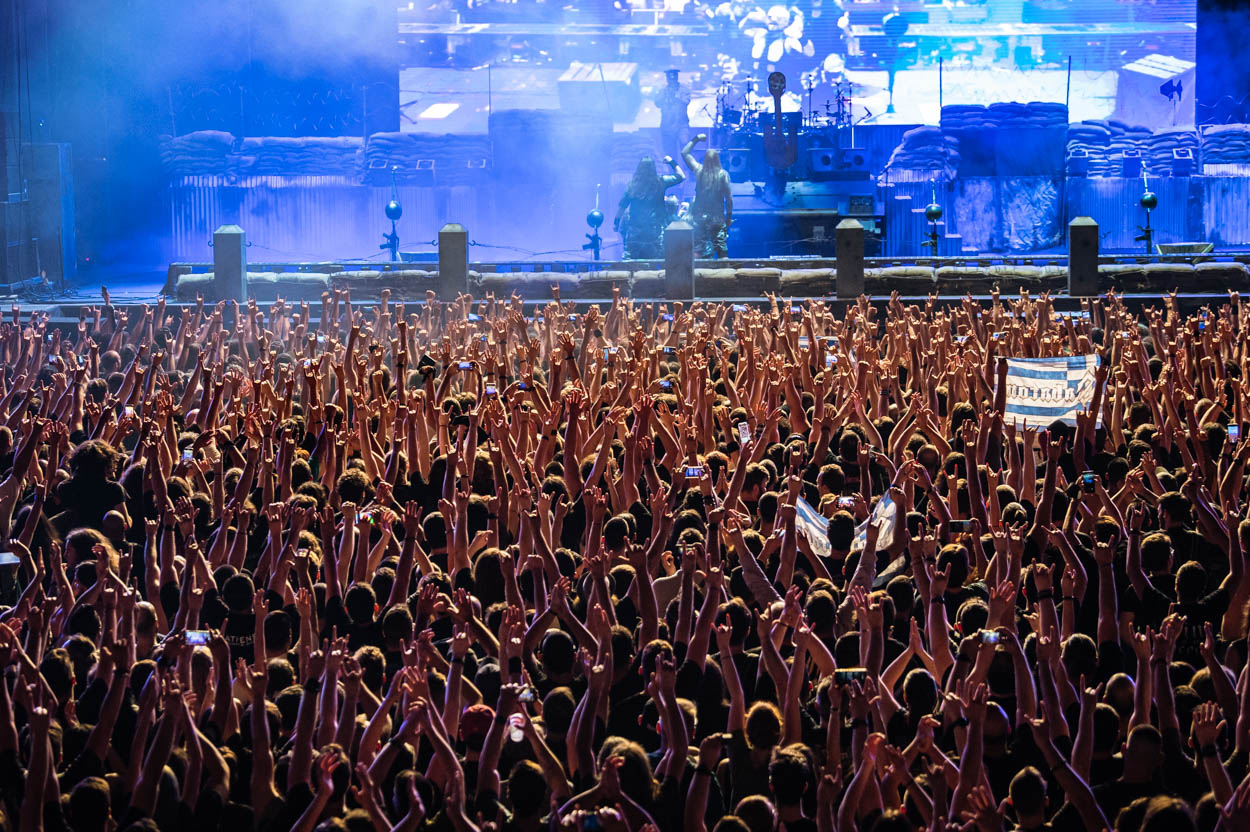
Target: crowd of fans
x=476, y=565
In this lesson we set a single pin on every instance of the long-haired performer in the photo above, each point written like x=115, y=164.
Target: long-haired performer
x=641, y=214
x=713, y=206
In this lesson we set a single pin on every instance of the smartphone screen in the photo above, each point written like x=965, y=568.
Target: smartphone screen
x=1234, y=433
x=197, y=637
x=465, y=365
x=744, y=432
x=693, y=472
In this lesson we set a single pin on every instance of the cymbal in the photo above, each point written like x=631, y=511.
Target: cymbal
x=855, y=89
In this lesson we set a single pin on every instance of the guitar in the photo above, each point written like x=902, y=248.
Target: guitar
x=781, y=151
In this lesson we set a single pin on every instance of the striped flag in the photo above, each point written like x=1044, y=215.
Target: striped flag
x=1043, y=390
x=813, y=526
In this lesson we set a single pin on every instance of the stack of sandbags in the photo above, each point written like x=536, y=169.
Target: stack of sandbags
x=368, y=284
x=808, y=282
x=529, y=285
x=1016, y=115
x=453, y=156
x=202, y=153
x=1004, y=115
x=736, y=283
x=302, y=156
x=1157, y=150
x=926, y=148
x=1093, y=137
x=957, y=117
x=1226, y=144
x=1125, y=137
x=1105, y=142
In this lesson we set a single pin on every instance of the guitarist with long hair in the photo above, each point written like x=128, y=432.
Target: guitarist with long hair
x=713, y=206
x=642, y=215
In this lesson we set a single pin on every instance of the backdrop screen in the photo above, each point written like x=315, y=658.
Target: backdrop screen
x=1119, y=52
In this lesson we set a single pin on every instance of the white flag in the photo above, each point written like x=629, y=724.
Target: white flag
x=813, y=526
x=884, y=515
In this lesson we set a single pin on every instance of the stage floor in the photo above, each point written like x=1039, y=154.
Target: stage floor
x=459, y=101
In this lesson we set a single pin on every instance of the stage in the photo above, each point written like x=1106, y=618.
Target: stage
x=516, y=120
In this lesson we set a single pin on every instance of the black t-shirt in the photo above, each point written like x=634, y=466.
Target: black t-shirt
x=1151, y=607
x=239, y=630
x=1188, y=545
x=284, y=810
x=358, y=635
x=1114, y=796
x=1197, y=613
x=745, y=778
x=87, y=501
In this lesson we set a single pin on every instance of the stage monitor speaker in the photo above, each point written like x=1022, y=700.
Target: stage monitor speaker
x=1185, y=248
x=823, y=160
x=853, y=159
x=1132, y=164
x=737, y=163
x=826, y=163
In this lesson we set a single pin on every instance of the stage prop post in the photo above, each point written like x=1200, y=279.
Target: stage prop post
x=230, y=263
x=453, y=261
x=1082, y=257
x=679, y=261
x=849, y=249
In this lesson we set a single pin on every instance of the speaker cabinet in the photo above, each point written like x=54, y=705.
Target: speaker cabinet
x=737, y=163
x=49, y=170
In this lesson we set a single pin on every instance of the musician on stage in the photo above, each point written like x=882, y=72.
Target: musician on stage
x=641, y=214
x=673, y=101
x=713, y=206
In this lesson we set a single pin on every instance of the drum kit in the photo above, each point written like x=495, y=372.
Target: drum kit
x=781, y=137
x=741, y=110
